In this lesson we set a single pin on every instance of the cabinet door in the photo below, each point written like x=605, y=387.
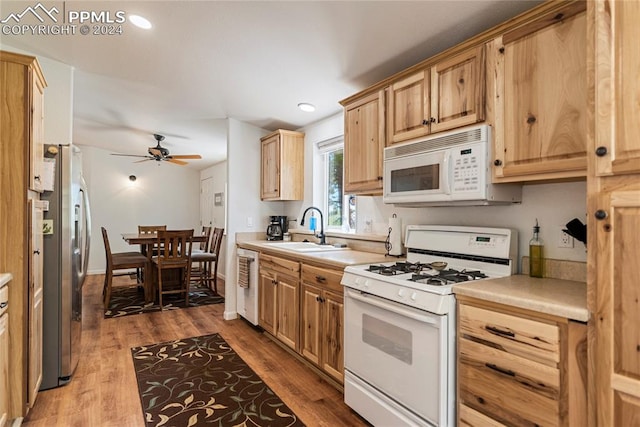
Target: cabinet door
x=545, y=100
x=270, y=188
x=37, y=133
x=408, y=103
x=34, y=375
x=617, y=63
x=617, y=372
x=458, y=90
x=267, y=295
x=4, y=369
x=288, y=311
x=310, y=332
x=363, y=145
x=333, y=335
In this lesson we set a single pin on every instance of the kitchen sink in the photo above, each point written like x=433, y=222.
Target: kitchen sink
x=304, y=246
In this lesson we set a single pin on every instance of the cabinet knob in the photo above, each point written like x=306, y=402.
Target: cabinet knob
x=3, y=304
x=601, y=151
x=379, y=178
x=37, y=252
x=531, y=119
x=425, y=122
x=432, y=120
x=497, y=162
x=600, y=214
x=37, y=177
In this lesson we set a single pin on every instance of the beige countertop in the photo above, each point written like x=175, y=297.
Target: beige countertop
x=334, y=259
x=563, y=298
x=4, y=278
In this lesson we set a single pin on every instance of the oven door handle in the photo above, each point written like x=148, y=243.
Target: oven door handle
x=394, y=308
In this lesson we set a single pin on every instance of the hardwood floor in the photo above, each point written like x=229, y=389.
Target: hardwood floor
x=103, y=391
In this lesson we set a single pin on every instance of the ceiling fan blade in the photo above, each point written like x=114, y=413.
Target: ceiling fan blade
x=185, y=156
x=128, y=155
x=155, y=152
x=177, y=162
x=145, y=160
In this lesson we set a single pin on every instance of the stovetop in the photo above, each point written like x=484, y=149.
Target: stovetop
x=438, y=258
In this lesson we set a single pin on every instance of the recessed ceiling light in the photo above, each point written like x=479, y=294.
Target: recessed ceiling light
x=139, y=21
x=308, y=108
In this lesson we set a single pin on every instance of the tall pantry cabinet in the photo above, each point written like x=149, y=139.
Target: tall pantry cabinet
x=21, y=155
x=613, y=190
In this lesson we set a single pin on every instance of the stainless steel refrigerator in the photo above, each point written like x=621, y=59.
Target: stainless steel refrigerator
x=67, y=237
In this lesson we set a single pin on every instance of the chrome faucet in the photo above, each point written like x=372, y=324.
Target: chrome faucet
x=321, y=235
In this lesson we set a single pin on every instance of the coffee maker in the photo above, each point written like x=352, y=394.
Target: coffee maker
x=277, y=227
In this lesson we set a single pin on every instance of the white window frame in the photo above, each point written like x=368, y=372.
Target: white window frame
x=323, y=148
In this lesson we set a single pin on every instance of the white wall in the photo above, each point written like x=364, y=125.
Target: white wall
x=218, y=173
x=245, y=211
x=552, y=204
x=162, y=194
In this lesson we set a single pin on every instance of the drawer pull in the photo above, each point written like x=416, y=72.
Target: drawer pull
x=501, y=370
x=498, y=331
x=321, y=278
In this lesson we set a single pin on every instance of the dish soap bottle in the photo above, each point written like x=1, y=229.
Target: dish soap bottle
x=536, y=255
x=312, y=223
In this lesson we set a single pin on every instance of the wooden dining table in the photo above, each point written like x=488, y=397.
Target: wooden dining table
x=147, y=240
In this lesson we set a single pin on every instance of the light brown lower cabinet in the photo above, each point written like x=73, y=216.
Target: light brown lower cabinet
x=4, y=357
x=303, y=307
x=519, y=368
x=279, y=298
x=322, y=314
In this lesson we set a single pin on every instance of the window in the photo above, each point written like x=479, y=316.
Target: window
x=340, y=208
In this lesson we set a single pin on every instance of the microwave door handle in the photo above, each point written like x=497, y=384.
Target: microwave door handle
x=447, y=171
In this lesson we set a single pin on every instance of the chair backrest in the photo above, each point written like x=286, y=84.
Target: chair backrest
x=150, y=229
x=107, y=247
x=216, y=241
x=206, y=231
x=174, y=246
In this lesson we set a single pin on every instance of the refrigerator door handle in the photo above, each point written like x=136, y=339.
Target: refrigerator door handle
x=87, y=231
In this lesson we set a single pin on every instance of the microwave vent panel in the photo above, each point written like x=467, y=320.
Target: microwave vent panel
x=439, y=142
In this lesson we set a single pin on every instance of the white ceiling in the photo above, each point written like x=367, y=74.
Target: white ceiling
x=254, y=61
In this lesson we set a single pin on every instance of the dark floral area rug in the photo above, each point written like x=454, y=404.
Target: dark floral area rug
x=126, y=300
x=202, y=381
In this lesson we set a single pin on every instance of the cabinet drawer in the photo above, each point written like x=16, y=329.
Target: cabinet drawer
x=322, y=277
x=469, y=417
x=280, y=265
x=501, y=395
x=528, y=338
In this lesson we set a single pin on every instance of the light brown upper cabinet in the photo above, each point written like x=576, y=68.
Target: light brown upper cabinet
x=364, y=140
x=618, y=99
x=544, y=109
x=449, y=94
x=409, y=108
x=458, y=90
x=282, y=175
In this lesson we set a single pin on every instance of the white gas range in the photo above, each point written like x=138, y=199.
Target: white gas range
x=400, y=322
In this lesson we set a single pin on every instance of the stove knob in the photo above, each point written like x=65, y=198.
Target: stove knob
x=414, y=296
x=359, y=281
x=366, y=284
x=401, y=293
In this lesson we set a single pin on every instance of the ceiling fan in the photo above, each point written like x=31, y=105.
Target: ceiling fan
x=160, y=153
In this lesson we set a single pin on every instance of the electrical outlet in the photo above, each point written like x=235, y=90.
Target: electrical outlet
x=564, y=240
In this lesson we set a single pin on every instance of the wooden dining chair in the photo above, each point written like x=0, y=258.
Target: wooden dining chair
x=209, y=260
x=174, y=253
x=121, y=261
x=147, y=229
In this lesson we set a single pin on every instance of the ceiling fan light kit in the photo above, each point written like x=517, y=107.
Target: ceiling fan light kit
x=162, y=154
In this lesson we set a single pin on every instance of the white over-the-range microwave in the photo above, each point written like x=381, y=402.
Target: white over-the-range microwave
x=448, y=169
